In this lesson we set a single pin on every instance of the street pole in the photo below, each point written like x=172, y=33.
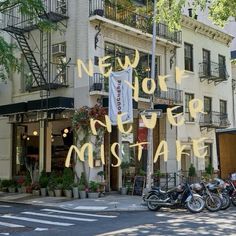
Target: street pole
x=150, y=131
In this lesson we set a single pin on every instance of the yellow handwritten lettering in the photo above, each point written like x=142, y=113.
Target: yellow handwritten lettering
x=135, y=88
x=140, y=148
x=172, y=117
x=120, y=124
x=195, y=106
x=113, y=151
x=198, y=150
x=128, y=62
x=88, y=70
x=163, y=144
x=107, y=124
x=102, y=66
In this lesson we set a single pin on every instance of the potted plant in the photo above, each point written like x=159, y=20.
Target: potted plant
x=124, y=166
x=67, y=181
x=12, y=186
x=43, y=182
x=36, y=189
x=192, y=173
x=82, y=192
x=75, y=190
x=26, y=183
x=20, y=180
x=52, y=182
x=58, y=190
x=4, y=185
x=93, y=189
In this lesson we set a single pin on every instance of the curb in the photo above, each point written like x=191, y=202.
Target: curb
x=131, y=209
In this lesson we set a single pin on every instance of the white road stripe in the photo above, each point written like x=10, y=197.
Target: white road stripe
x=78, y=213
x=94, y=208
x=11, y=225
x=59, y=217
x=5, y=206
x=36, y=220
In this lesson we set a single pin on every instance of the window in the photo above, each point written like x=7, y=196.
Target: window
x=222, y=68
x=208, y=157
x=188, y=57
x=207, y=104
x=188, y=98
x=206, y=62
x=223, y=107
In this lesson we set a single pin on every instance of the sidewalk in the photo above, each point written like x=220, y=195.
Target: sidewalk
x=114, y=202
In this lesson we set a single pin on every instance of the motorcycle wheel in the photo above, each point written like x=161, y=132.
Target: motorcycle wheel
x=225, y=201
x=195, y=204
x=233, y=199
x=152, y=206
x=214, y=205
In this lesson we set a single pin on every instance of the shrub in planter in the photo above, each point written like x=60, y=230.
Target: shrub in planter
x=82, y=192
x=67, y=181
x=58, y=190
x=43, y=182
x=93, y=189
x=36, y=189
x=75, y=190
x=52, y=182
x=26, y=186
x=12, y=186
x=4, y=185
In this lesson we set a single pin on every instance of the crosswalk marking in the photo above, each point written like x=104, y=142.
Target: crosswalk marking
x=5, y=206
x=11, y=225
x=59, y=217
x=77, y=213
x=92, y=208
x=36, y=220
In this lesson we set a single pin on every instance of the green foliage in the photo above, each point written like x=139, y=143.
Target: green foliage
x=5, y=183
x=81, y=187
x=209, y=169
x=191, y=171
x=52, y=181
x=93, y=186
x=43, y=180
x=82, y=179
x=67, y=178
x=219, y=11
x=28, y=180
x=142, y=172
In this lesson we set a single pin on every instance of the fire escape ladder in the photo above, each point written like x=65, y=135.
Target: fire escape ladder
x=30, y=58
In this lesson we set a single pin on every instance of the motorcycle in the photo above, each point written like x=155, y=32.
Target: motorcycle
x=231, y=190
x=218, y=186
x=212, y=201
x=180, y=196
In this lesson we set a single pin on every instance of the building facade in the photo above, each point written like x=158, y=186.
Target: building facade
x=37, y=105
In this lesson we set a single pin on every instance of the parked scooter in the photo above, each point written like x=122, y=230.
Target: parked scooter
x=180, y=196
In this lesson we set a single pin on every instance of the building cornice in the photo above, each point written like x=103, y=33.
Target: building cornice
x=208, y=31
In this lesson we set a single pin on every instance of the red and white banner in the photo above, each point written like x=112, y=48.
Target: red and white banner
x=120, y=96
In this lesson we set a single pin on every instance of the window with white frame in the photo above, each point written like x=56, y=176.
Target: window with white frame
x=188, y=98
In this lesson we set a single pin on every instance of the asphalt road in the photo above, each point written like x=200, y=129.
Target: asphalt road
x=17, y=219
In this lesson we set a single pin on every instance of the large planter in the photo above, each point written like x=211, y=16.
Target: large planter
x=82, y=194
x=23, y=189
x=123, y=191
x=75, y=192
x=36, y=192
x=19, y=189
x=93, y=195
x=68, y=193
x=11, y=189
x=58, y=192
x=51, y=193
x=43, y=192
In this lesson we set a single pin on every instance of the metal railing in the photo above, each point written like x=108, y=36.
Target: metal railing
x=214, y=119
x=144, y=23
x=99, y=83
x=174, y=96
x=14, y=17
x=212, y=71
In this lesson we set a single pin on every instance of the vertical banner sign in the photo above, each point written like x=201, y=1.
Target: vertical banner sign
x=120, y=96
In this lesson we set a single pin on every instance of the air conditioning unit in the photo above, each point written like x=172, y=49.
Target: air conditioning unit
x=59, y=49
x=16, y=118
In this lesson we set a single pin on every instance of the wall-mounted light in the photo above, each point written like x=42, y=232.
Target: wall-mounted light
x=64, y=135
x=52, y=140
x=24, y=136
x=66, y=131
x=28, y=138
x=35, y=133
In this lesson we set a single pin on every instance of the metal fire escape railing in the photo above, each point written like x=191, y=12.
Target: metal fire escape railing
x=214, y=119
x=213, y=72
x=17, y=24
x=144, y=23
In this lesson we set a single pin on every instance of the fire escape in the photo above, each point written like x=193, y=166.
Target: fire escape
x=20, y=27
